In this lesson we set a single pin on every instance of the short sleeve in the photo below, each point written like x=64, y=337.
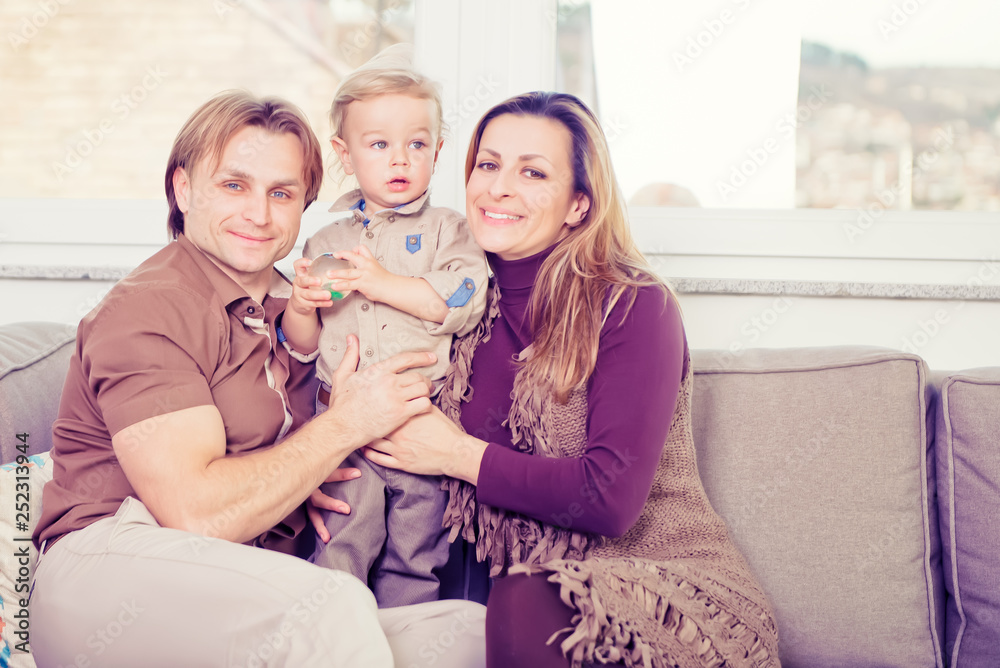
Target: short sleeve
x=144, y=355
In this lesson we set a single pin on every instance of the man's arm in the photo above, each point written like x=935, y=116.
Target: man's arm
x=178, y=466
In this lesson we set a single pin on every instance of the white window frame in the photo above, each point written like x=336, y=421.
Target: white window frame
x=482, y=52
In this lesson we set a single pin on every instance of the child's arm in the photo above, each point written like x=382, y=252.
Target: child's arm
x=405, y=293
x=459, y=274
x=300, y=323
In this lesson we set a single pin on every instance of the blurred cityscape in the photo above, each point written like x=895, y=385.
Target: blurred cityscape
x=906, y=138
x=92, y=104
x=95, y=91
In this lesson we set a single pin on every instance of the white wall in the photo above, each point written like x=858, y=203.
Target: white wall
x=944, y=266
x=793, y=251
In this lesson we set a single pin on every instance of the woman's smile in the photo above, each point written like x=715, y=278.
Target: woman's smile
x=519, y=197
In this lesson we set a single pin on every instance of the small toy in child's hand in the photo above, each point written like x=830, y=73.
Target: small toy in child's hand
x=327, y=262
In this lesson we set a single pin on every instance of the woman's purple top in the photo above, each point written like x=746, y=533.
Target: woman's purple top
x=630, y=404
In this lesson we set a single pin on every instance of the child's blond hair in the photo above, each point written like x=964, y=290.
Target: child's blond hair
x=389, y=72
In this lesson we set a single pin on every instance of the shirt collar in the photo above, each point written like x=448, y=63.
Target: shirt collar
x=228, y=290
x=353, y=201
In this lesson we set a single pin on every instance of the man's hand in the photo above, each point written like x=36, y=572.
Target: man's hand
x=319, y=501
x=373, y=402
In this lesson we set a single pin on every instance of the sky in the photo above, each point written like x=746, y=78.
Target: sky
x=908, y=33
x=699, y=94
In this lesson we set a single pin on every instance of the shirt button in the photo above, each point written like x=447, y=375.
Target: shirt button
x=413, y=240
x=468, y=285
x=364, y=307
x=381, y=258
x=369, y=234
x=369, y=352
x=392, y=218
x=334, y=348
x=250, y=309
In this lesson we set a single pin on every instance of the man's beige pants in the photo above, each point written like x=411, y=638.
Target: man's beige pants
x=126, y=592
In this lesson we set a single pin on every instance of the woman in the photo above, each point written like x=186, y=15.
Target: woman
x=605, y=545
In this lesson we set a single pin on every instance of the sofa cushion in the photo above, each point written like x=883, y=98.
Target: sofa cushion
x=34, y=357
x=21, y=484
x=818, y=460
x=968, y=477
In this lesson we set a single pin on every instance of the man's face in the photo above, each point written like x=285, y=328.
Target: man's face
x=244, y=213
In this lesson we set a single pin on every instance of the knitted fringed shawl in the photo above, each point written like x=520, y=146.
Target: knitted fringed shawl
x=673, y=591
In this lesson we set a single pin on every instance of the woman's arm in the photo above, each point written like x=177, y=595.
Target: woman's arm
x=430, y=444
x=631, y=400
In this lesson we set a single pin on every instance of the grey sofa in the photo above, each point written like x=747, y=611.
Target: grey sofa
x=863, y=492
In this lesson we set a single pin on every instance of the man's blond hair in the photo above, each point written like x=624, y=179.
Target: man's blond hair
x=388, y=73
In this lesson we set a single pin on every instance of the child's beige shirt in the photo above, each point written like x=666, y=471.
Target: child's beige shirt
x=433, y=243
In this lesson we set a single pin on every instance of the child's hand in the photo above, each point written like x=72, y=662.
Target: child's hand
x=368, y=276
x=307, y=296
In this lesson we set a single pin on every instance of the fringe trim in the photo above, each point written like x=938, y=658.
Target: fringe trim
x=460, y=512
x=661, y=618
x=503, y=538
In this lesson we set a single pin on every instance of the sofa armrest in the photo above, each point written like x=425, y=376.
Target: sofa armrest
x=34, y=357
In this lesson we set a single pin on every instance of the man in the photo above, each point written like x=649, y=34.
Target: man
x=182, y=447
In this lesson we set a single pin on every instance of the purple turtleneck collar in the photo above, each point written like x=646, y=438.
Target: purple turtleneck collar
x=516, y=275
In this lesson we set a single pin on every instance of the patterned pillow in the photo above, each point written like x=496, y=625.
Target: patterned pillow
x=21, y=485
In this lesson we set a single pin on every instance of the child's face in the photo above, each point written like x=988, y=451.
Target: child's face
x=390, y=143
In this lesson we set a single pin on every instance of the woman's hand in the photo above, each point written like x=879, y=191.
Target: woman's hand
x=318, y=500
x=430, y=444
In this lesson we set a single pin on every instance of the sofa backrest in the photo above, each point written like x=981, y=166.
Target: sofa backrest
x=968, y=477
x=34, y=357
x=818, y=460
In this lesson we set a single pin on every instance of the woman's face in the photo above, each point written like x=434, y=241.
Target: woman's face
x=520, y=198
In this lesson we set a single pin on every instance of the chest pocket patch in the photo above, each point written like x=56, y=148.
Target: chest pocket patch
x=413, y=242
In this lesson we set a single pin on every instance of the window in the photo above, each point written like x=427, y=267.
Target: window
x=855, y=104
x=100, y=88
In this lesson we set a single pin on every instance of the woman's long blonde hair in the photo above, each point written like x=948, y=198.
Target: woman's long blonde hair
x=593, y=267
